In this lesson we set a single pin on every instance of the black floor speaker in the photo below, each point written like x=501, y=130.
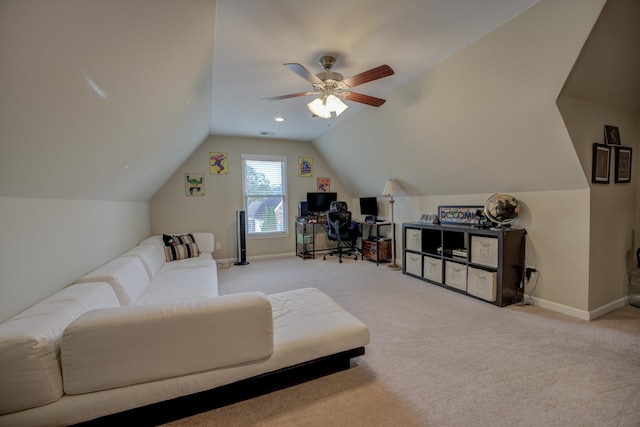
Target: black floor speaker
x=241, y=238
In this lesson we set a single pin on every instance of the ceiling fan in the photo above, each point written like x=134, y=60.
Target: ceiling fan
x=332, y=86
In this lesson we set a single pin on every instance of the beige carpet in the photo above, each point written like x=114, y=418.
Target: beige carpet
x=438, y=358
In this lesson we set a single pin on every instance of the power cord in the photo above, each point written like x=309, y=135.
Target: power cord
x=527, y=299
x=222, y=266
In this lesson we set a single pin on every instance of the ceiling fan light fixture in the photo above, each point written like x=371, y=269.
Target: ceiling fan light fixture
x=334, y=103
x=323, y=107
x=317, y=108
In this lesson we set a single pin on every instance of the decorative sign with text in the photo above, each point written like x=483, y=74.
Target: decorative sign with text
x=465, y=215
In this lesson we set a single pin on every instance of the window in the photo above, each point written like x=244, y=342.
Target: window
x=264, y=182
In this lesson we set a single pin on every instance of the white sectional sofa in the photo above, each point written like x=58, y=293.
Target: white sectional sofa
x=141, y=330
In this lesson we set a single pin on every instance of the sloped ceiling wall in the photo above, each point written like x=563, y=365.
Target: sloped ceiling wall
x=484, y=121
x=608, y=69
x=92, y=91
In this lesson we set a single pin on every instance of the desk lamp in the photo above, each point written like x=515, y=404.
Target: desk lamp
x=390, y=189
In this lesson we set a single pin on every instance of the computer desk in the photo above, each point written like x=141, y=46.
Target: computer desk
x=306, y=230
x=375, y=246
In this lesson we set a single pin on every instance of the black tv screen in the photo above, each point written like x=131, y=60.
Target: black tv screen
x=320, y=202
x=369, y=206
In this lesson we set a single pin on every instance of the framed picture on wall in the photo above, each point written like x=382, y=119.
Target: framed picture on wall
x=194, y=184
x=324, y=185
x=600, y=167
x=218, y=163
x=305, y=166
x=623, y=164
x=611, y=135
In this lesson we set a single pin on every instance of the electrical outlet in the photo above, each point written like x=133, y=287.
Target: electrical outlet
x=218, y=245
x=528, y=271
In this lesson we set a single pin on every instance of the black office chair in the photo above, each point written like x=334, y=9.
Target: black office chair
x=339, y=230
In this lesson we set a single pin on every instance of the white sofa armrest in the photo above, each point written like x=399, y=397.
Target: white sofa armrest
x=109, y=348
x=205, y=242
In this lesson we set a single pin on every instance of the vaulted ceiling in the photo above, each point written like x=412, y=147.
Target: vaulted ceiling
x=104, y=99
x=255, y=38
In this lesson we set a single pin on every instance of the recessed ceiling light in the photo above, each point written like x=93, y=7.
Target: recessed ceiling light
x=279, y=119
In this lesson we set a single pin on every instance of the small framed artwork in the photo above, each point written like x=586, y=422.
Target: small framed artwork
x=324, y=185
x=612, y=135
x=305, y=166
x=218, y=163
x=194, y=184
x=623, y=164
x=600, y=168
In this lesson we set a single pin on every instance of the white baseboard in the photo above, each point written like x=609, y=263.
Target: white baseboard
x=580, y=314
x=560, y=308
x=230, y=261
x=272, y=256
x=607, y=308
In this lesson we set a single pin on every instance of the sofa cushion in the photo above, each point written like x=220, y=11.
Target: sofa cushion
x=183, y=280
x=133, y=345
x=153, y=240
x=152, y=257
x=30, y=345
x=125, y=274
x=308, y=324
x=178, y=252
x=204, y=240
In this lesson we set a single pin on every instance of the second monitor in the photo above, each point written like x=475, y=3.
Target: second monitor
x=369, y=208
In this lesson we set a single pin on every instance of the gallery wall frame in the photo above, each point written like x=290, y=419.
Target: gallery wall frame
x=601, y=161
x=612, y=135
x=623, y=164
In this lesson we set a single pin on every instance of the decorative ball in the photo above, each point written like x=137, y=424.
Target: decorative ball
x=502, y=209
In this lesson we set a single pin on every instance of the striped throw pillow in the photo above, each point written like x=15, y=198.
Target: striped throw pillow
x=177, y=252
x=178, y=239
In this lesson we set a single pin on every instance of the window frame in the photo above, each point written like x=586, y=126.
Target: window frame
x=284, y=190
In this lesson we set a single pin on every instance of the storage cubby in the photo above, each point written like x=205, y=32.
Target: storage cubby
x=484, y=263
x=431, y=241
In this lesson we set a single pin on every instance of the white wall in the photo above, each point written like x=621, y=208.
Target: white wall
x=48, y=243
x=172, y=211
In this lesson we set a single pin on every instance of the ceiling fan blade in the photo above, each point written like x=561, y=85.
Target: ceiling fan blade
x=304, y=73
x=368, y=76
x=291, y=95
x=364, y=99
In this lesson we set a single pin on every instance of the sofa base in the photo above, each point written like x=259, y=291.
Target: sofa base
x=185, y=406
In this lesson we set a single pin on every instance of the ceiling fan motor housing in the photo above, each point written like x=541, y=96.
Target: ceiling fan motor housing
x=327, y=62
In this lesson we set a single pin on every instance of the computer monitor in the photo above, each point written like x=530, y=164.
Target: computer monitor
x=369, y=206
x=320, y=202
